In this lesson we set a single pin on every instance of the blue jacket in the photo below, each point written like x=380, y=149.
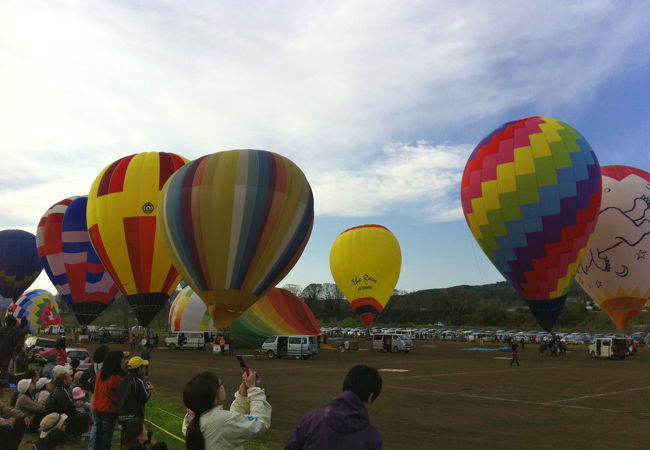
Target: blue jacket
x=344, y=424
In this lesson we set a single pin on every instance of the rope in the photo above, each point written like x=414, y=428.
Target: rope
x=165, y=431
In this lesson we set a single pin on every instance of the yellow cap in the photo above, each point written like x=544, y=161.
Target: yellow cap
x=136, y=362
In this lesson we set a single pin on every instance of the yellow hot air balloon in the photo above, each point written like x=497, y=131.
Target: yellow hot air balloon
x=365, y=262
x=122, y=213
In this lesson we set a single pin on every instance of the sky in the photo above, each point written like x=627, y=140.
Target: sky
x=380, y=103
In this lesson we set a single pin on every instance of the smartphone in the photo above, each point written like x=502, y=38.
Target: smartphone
x=246, y=369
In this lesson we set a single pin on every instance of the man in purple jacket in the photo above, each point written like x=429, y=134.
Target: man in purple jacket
x=344, y=424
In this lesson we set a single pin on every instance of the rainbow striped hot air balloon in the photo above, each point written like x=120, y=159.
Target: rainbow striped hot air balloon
x=19, y=263
x=615, y=272
x=71, y=262
x=277, y=312
x=122, y=214
x=39, y=307
x=235, y=223
x=530, y=193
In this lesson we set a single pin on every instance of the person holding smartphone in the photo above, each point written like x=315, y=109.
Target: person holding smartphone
x=209, y=426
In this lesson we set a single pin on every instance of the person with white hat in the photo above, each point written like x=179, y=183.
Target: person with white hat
x=51, y=422
x=44, y=388
x=33, y=411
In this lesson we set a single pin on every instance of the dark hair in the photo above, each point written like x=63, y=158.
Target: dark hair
x=100, y=353
x=60, y=344
x=55, y=438
x=74, y=363
x=10, y=321
x=198, y=396
x=132, y=430
x=29, y=373
x=363, y=381
x=112, y=365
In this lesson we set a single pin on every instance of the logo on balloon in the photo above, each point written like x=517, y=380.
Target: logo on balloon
x=366, y=279
x=148, y=208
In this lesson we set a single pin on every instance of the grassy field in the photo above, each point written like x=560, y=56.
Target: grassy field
x=439, y=396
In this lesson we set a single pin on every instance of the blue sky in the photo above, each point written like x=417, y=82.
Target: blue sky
x=379, y=102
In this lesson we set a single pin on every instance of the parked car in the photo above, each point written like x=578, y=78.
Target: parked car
x=298, y=346
x=106, y=335
x=398, y=342
x=81, y=354
x=610, y=347
x=39, y=344
x=187, y=339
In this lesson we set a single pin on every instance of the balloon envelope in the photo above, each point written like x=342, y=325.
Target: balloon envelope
x=277, y=312
x=122, y=213
x=19, y=263
x=615, y=271
x=70, y=261
x=365, y=262
x=530, y=193
x=39, y=307
x=235, y=223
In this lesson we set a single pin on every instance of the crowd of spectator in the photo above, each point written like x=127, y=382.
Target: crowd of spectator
x=62, y=404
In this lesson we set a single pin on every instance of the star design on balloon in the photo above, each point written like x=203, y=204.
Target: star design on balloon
x=599, y=284
x=641, y=254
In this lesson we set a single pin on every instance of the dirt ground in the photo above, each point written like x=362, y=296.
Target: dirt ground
x=449, y=398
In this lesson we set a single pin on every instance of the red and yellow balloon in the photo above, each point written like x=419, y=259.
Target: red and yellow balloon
x=122, y=215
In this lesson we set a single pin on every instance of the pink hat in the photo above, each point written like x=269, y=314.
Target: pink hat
x=78, y=393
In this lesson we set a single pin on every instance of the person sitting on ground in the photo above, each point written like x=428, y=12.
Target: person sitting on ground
x=137, y=437
x=133, y=392
x=60, y=401
x=51, y=428
x=33, y=411
x=44, y=388
x=209, y=426
x=30, y=374
x=55, y=440
x=12, y=422
x=345, y=422
x=80, y=400
x=74, y=363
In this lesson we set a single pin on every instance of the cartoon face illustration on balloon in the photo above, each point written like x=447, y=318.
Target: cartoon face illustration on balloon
x=615, y=272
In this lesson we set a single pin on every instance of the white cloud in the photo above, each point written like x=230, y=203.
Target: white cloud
x=419, y=180
x=327, y=84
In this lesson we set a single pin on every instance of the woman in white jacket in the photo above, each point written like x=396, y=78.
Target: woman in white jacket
x=212, y=427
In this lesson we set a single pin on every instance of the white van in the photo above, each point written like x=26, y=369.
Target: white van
x=610, y=347
x=392, y=342
x=298, y=346
x=187, y=339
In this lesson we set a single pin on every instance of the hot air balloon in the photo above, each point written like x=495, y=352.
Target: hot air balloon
x=615, y=271
x=235, y=223
x=189, y=313
x=19, y=263
x=38, y=307
x=71, y=262
x=530, y=193
x=277, y=312
x=121, y=214
x=365, y=262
